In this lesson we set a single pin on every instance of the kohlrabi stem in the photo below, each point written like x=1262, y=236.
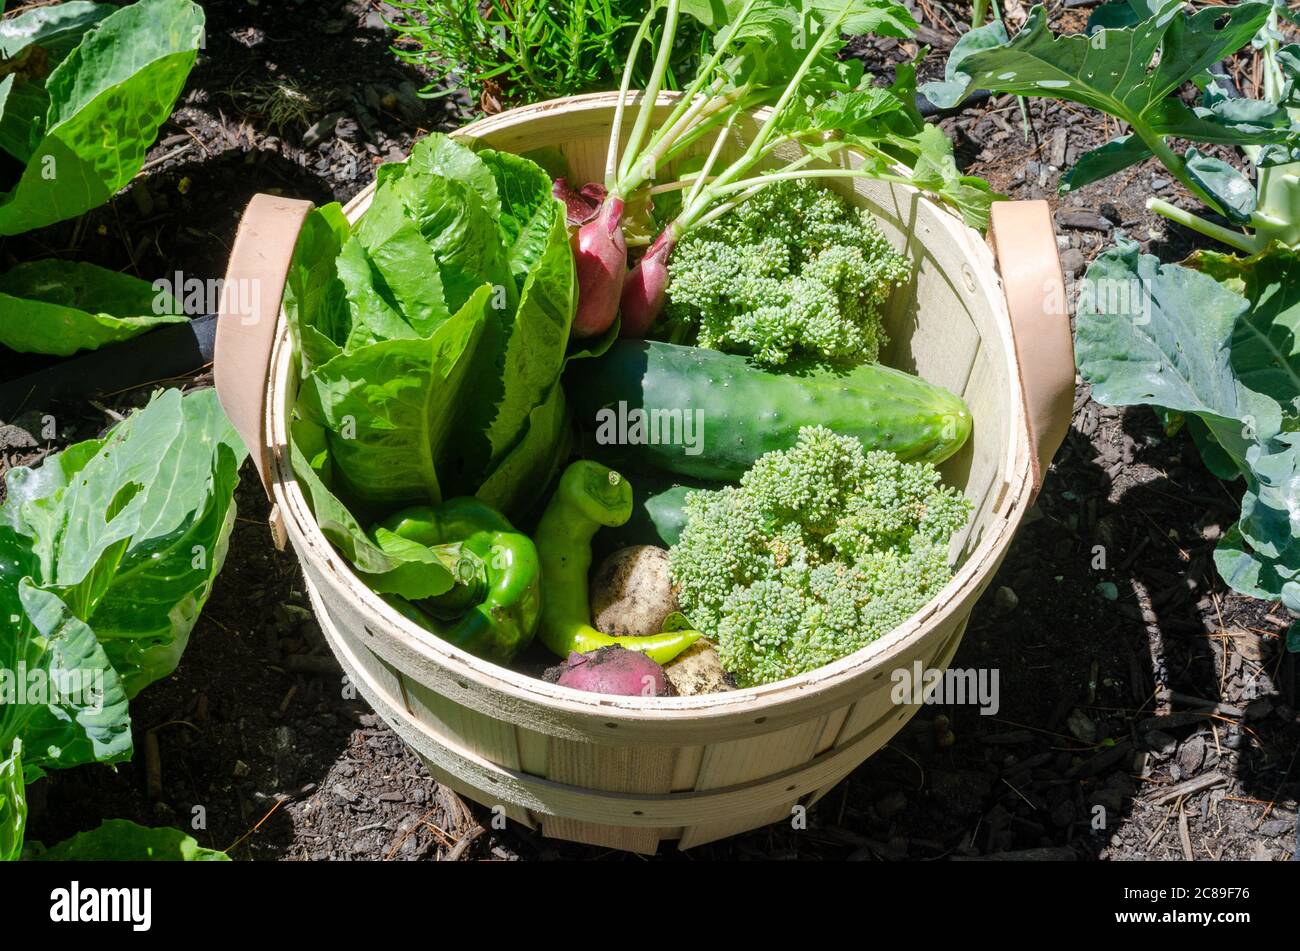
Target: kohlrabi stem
x=1172, y=161
x=1278, y=186
x=650, y=96
x=616, y=130
x=1247, y=244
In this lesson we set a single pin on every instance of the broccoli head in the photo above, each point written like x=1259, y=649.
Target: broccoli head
x=792, y=271
x=821, y=549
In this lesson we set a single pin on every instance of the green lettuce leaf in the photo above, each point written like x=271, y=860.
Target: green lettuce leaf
x=315, y=298
x=61, y=307
x=364, y=307
x=524, y=474
x=414, y=573
x=451, y=196
x=388, y=409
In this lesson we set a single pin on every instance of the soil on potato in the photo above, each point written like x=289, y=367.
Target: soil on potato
x=1144, y=710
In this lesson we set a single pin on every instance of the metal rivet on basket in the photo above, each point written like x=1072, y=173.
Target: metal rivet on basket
x=968, y=276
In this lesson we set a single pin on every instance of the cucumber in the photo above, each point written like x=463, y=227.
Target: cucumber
x=742, y=411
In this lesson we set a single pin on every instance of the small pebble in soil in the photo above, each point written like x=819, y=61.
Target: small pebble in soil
x=1005, y=600
x=1081, y=726
x=1072, y=261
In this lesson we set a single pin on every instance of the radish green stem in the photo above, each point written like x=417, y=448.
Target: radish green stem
x=650, y=97
x=704, y=75
x=688, y=180
x=611, y=156
x=766, y=131
x=708, y=162
x=761, y=180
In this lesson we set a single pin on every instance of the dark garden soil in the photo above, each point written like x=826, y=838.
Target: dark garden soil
x=1131, y=678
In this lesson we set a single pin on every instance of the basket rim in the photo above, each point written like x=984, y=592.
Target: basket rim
x=966, y=584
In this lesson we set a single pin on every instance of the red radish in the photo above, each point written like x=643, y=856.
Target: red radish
x=581, y=204
x=612, y=670
x=645, y=290
x=600, y=254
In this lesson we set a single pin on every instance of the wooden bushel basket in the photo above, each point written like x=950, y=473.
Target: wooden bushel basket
x=628, y=772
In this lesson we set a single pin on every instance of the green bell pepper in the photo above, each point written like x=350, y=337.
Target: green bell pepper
x=492, y=610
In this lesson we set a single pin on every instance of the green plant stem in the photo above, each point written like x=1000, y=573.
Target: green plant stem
x=650, y=96
x=759, y=181
x=1177, y=167
x=1247, y=244
x=616, y=129
x=703, y=75
x=703, y=178
x=1278, y=187
x=692, y=215
x=652, y=158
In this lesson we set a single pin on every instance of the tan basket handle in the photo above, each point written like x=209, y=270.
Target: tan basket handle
x=1025, y=244
x=249, y=314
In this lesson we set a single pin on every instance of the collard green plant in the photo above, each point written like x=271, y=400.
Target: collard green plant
x=84, y=88
x=1216, y=341
x=119, y=840
x=1212, y=340
x=130, y=530
x=108, y=552
x=61, y=307
x=1131, y=64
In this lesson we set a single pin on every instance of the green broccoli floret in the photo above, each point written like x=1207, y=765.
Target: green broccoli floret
x=794, y=270
x=820, y=550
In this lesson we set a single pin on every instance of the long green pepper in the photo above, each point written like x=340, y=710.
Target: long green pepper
x=589, y=496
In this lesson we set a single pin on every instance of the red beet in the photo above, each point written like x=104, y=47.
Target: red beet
x=600, y=254
x=645, y=290
x=613, y=670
